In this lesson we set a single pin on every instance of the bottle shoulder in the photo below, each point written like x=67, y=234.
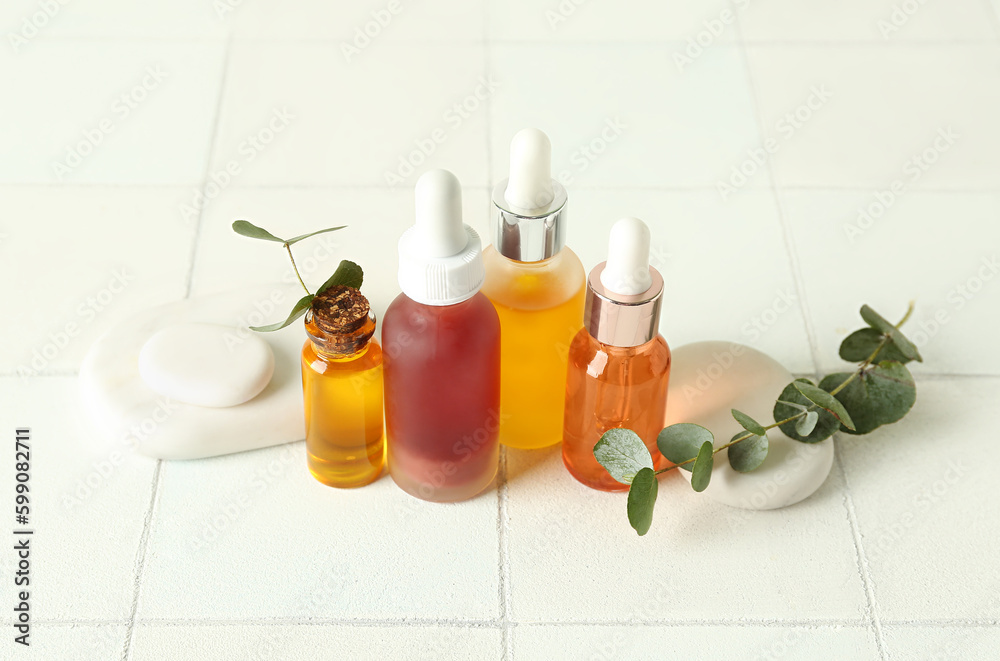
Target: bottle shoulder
x=369, y=357
x=533, y=285
x=654, y=356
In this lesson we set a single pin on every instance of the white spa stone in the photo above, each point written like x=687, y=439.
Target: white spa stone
x=707, y=379
x=128, y=413
x=206, y=364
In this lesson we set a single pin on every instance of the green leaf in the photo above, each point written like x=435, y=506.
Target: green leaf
x=748, y=454
x=702, y=473
x=825, y=400
x=347, y=273
x=641, y=498
x=881, y=324
x=680, y=442
x=807, y=423
x=297, y=311
x=623, y=454
x=749, y=423
x=306, y=236
x=790, y=403
x=859, y=346
x=249, y=229
x=881, y=395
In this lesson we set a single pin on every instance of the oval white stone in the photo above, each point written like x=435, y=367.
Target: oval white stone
x=206, y=364
x=707, y=379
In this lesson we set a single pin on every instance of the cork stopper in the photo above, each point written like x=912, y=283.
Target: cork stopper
x=342, y=315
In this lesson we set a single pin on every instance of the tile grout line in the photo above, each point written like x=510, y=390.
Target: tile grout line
x=863, y=568
x=503, y=554
x=871, y=603
x=140, y=562
x=965, y=623
x=212, y=144
x=144, y=540
x=786, y=230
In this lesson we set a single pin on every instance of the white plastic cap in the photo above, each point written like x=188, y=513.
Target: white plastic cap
x=530, y=182
x=627, y=269
x=440, y=258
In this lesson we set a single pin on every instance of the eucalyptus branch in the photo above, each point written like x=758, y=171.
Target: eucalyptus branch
x=857, y=402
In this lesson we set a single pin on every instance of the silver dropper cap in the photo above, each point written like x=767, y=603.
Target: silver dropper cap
x=529, y=208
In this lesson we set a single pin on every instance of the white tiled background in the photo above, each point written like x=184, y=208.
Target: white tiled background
x=894, y=557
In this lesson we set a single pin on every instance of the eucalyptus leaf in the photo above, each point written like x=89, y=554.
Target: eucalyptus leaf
x=825, y=400
x=306, y=236
x=790, y=403
x=641, y=498
x=701, y=475
x=748, y=423
x=748, y=454
x=881, y=324
x=681, y=442
x=807, y=423
x=623, y=454
x=246, y=228
x=881, y=395
x=348, y=273
x=297, y=311
x=859, y=346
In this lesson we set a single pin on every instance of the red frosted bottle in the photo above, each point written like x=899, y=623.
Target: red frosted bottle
x=441, y=347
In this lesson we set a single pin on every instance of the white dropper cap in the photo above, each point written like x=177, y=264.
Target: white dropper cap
x=440, y=258
x=530, y=182
x=627, y=269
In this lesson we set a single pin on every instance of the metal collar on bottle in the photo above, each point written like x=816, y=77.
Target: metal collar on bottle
x=529, y=235
x=622, y=321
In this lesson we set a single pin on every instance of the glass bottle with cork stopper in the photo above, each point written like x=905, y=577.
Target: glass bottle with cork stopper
x=342, y=389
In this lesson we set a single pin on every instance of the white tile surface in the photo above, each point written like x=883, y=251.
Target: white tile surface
x=86, y=642
x=697, y=242
x=87, y=507
x=108, y=19
x=118, y=112
x=254, y=536
x=106, y=251
x=625, y=115
x=322, y=642
x=374, y=219
x=877, y=21
x=868, y=132
x=941, y=505
x=354, y=122
x=693, y=642
x=361, y=25
x=256, y=564
x=918, y=249
x=913, y=642
x=645, y=20
x=574, y=557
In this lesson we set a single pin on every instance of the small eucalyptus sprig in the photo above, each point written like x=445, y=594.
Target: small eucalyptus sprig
x=878, y=392
x=347, y=273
